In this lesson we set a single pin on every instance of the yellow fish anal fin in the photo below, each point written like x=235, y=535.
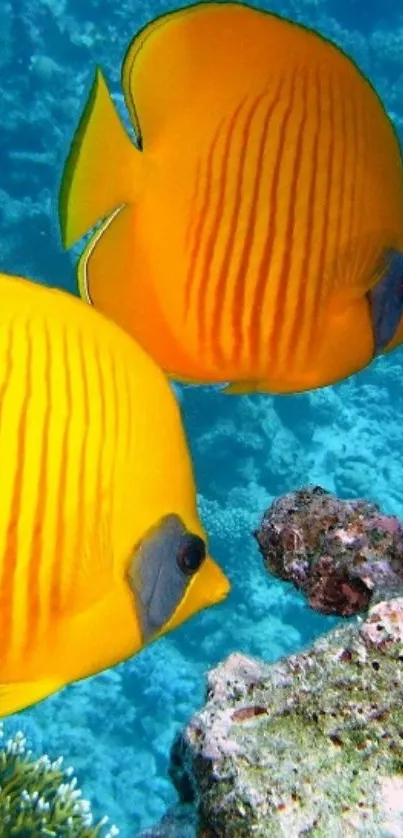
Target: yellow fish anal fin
x=17, y=696
x=103, y=167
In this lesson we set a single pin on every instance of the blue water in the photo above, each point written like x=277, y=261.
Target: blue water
x=116, y=728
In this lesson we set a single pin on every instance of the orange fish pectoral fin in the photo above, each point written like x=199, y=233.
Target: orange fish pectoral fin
x=103, y=167
x=240, y=388
x=17, y=696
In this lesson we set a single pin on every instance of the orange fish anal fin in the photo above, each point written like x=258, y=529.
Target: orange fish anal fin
x=103, y=167
x=133, y=302
x=17, y=696
x=82, y=272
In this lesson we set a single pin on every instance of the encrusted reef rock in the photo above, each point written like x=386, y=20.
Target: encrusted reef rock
x=179, y=822
x=343, y=554
x=311, y=745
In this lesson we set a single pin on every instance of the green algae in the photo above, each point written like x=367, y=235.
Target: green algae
x=40, y=799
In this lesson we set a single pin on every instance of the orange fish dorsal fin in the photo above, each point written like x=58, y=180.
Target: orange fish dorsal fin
x=17, y=696
x=103, y=168
x=173, y=63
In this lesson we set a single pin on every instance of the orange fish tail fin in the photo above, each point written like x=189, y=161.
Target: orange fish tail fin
x=103, y=168
x=17, y=696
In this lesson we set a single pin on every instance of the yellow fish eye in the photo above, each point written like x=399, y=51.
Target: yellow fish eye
x=191, y=553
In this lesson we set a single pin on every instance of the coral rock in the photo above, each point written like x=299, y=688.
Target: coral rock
x=343, y=554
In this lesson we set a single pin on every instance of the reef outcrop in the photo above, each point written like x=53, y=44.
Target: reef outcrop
x=312, y=744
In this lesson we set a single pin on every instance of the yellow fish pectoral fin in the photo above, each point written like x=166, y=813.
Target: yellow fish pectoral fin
x=94, y=575
x=17, y=696
x=103, y=167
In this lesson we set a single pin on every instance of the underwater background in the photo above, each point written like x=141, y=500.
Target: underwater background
x=117, y=728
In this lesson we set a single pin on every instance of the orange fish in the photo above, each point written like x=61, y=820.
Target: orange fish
x=254, y=233
x=102, y=549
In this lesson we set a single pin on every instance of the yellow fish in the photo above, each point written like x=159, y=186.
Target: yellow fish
x=101, y=546
x=254, y=234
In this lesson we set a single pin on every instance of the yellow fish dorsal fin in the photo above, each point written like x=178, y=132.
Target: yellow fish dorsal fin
x=17, y=696
x=167, y=67
x=103, y=167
